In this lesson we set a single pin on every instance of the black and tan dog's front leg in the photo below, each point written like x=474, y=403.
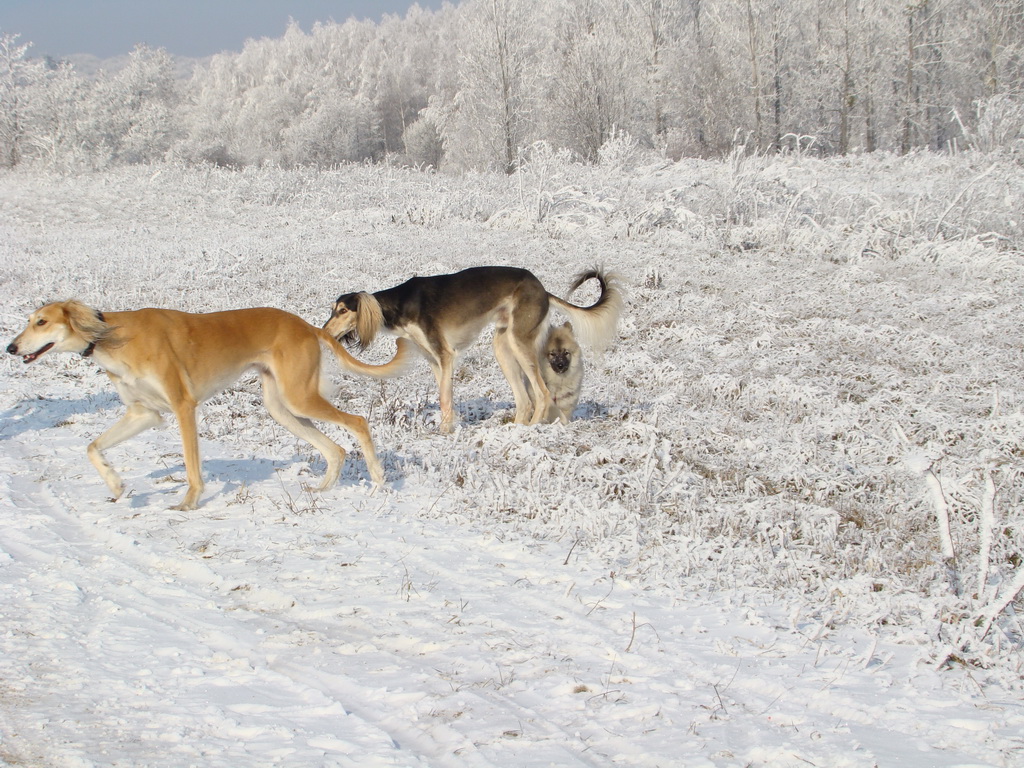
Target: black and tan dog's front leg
x=443, y=367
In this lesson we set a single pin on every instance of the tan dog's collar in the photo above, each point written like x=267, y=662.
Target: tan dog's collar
x=87, y=352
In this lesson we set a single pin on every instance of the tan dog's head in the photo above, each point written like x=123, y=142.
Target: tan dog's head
x=356, y=317
x=64, y=326
x=561, y=348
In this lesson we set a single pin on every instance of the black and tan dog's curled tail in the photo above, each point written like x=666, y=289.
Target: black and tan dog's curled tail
x=596, y=324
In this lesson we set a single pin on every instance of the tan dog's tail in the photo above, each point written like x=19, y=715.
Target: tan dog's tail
x=396, y=366
x=595, y=325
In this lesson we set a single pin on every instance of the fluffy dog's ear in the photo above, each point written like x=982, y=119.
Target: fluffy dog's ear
x=369, y=318
x=85, y=321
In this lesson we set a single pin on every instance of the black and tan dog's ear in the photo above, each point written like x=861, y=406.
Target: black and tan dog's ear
x=369, y=318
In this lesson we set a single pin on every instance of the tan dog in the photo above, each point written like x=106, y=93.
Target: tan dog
x=162, y=360
x=562, y=369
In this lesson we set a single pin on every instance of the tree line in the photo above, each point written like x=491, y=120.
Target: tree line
x=477, y=85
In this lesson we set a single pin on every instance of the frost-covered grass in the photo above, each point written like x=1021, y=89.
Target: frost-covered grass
x=818, y=358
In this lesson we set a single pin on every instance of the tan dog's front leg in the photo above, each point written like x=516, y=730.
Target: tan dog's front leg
x=136, y=420
x=186, y=414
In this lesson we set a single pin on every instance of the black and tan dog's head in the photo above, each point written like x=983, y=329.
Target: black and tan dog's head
x=64, y=326
x=561, y=347
x=355, y=319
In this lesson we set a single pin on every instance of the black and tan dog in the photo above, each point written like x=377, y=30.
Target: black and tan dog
x=162, y=360
x=443, y=314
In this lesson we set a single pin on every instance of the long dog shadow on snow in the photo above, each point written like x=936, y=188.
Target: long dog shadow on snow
x=42, y=413
x=164, y=484
x=226, y=479
x=230, y=478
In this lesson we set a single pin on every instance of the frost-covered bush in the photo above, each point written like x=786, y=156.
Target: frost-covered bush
x=331, y=131
x=998, y=124
x=423, y=145
x=620, y=153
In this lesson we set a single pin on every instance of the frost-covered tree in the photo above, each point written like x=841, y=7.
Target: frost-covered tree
x=332, y=130
x=492, y=112
x=302, y=98
x=488, y=78
x=17, y=72
x=276, y=78
x=870, y=79
x=207, y=112
x=239, y=107
x=423, y=144
x=999, y=43
x=655, y=26
x=596, y=78
x=59, y=119
x=398, y=71
x=702, y=106
x=133, y=110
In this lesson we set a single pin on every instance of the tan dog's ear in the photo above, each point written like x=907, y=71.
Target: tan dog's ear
x=369, y=318
x=85, y=321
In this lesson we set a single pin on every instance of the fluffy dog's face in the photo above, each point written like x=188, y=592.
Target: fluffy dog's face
x=560, y=360
x=49, y=329
x=561, y=348
x=342, y=323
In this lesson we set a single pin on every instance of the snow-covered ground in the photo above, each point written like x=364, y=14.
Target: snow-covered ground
x=730, y=557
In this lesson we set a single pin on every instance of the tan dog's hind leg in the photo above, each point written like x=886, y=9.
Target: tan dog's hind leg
x=318, y=408
x=304, y=429
x=297, y=389
x=137, y=419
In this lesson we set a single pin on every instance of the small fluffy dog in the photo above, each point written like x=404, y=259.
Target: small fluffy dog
x=162, y=360
x=562, y=369
x=443, y=314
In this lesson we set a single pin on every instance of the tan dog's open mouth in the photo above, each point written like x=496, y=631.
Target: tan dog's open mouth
x=31, y=357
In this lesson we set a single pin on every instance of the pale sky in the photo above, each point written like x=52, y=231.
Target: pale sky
x=196, y=28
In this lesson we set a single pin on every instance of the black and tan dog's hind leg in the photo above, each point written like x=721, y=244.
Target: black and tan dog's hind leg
x=528, y=389
x=516, y=329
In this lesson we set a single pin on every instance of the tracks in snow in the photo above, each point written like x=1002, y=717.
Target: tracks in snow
x=270, y=628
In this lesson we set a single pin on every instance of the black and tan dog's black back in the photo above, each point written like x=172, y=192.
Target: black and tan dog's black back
x=443, y=314
x=453, y=309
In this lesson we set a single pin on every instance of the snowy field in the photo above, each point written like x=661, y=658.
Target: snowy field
x=785, y=528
